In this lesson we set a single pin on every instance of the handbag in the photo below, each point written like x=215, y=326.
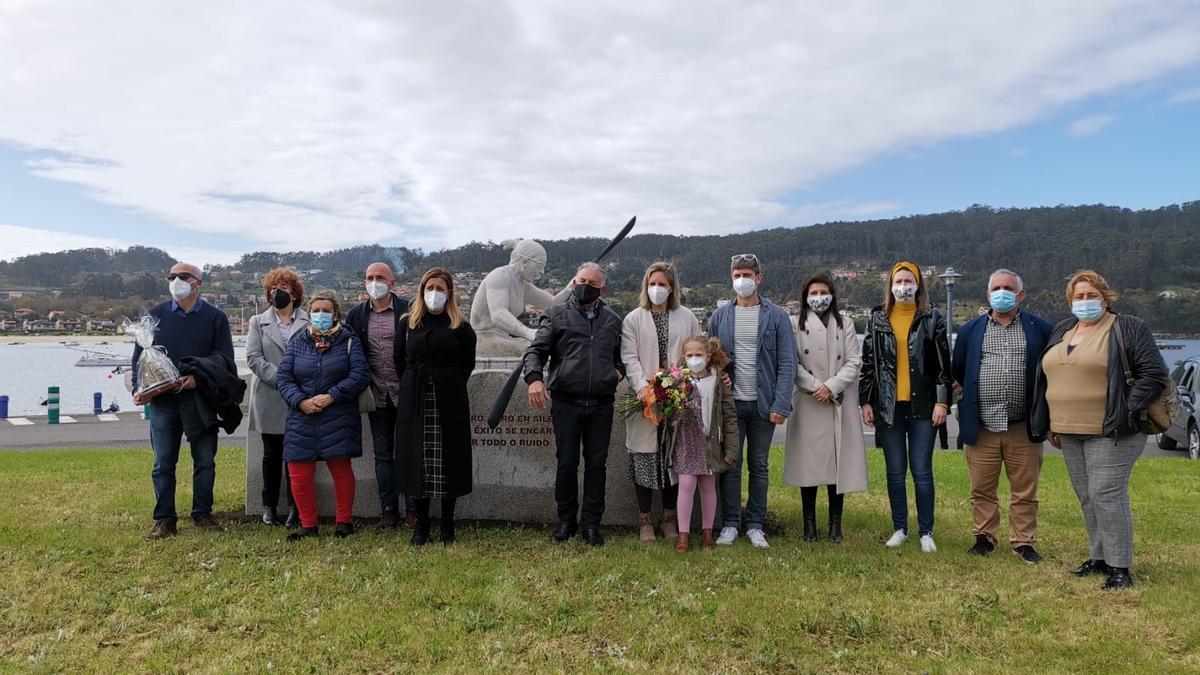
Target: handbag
x=1157, y=416
x=366, y=400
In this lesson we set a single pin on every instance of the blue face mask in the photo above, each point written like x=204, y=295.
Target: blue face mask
x=321, y=320
x=1003, y=300
x=1087, y=310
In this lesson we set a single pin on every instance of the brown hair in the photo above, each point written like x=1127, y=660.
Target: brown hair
x=672, y=280
x=417, y=310
x=1092, y=277
x=922, y=298
x=282, y=276
x=717, y=358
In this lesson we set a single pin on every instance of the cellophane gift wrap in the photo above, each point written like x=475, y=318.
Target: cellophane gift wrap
x=155, y=372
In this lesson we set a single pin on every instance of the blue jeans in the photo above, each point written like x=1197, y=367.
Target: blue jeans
x=906, y=443
x=755, y=434
x=383, y=437
x=166, y=435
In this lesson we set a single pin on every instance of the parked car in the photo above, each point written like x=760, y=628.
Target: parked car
x=1185, y=428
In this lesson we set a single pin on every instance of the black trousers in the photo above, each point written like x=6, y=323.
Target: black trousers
x=586, y=429
x=273, y=469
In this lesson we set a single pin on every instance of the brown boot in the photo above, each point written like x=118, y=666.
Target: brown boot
x=162, y=529
x=706, y=540
x=669, y=529
x=681, y=544
x=389, y=519
x=646, y=529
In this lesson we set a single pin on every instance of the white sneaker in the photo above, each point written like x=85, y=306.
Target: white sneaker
x=728, y=535
x=927, y=545
x=898, y=537
x=757, y=538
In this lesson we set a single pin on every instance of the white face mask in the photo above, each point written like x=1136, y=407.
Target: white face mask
x=820, y=303
x=697, y=364
x=744, y=286
x=180, y=289
x=435, y=300
x=377, y=290
x=658, y=294
x=906, y=293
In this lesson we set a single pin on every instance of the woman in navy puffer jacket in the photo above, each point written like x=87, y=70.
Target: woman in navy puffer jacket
x=320, y=377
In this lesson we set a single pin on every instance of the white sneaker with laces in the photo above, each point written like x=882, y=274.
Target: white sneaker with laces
x=727, y=537
x=927, y=545
x=898, y=537
x=757, y=538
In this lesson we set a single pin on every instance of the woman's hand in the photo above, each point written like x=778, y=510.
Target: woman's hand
x=1054, y=440
x=823, y=394
x=868, y=415
x=939, y=415
x=308, y=407
x=323, y=401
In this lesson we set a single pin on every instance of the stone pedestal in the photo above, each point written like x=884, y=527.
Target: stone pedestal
x=515, y=464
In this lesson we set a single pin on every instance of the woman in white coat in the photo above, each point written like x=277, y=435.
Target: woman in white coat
x=652, y=338
x=825, y=444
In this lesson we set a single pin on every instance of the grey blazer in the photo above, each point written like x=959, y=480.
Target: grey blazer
x=264, y=351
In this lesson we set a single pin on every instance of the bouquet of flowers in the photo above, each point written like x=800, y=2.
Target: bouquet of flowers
x=155, y=371
x=665, y=399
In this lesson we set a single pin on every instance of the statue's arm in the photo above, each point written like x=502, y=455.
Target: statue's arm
x=543, y=299
x=502, y=317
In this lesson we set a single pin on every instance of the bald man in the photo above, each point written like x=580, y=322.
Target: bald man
x=377, y=322
x=187, y=326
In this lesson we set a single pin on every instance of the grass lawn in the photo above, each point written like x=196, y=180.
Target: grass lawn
x=82, y=590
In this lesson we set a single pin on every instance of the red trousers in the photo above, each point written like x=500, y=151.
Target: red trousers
x=304, y=489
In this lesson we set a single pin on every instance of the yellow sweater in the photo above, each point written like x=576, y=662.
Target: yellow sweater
x=901, y=320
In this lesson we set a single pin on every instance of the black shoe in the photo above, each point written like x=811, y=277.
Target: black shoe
x=983, y=546
x=343, y=530
x=303, y=533
x=563, y=532
x=448, y=531
x=810, y=526
x=1090, y=567
x=293, y=519
x=420, y=535
x=835, y=529
x=591, y=535
x=1118, y=577
x=1028, y=554
x=269, y=516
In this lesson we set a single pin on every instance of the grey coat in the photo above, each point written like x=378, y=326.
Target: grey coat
x=264, y=350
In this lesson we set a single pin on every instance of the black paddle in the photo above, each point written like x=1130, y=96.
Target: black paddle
x=506, y=392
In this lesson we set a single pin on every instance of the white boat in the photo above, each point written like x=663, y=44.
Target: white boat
x=103, y=359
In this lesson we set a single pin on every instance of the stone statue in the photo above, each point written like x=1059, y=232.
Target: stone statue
x=503, y=295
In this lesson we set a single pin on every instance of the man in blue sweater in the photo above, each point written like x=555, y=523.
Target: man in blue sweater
x=187, y=326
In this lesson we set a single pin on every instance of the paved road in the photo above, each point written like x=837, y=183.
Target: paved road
x=131, y=431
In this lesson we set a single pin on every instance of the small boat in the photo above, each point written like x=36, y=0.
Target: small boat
x=71, y=344
x=1167, y=345
x=102, y=359
x=16, y=343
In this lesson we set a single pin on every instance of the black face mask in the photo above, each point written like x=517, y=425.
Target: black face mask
x=586, y=294
x=280, y=299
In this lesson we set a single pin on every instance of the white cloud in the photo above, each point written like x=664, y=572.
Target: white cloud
x=1089, y=125
x=430, y=124
x=1186, y=95
x=20, y=240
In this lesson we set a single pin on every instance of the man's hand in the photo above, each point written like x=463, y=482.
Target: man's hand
x=939, y=415
x=140, y=399
x=868, y=415
x=322, y=401
x=823, y=394
x=1054, y=440
x=537, y=395
x=777, y=419
x=620, y=376
x=308, y=407
x=187, y=382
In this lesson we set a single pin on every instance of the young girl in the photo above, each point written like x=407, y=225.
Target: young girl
x=706, y=442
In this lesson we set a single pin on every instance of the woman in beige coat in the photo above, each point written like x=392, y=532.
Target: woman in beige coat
x=652, y=339
x=825, y=443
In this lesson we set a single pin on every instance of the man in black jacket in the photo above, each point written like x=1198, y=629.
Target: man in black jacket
x=579, y=345
x=377, y=322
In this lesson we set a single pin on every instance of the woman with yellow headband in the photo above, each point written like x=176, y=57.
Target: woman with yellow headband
x=904, y=392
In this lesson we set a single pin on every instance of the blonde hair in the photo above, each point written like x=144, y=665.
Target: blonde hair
x=672, y=280
x=717, y=358
x=330, y=295
x=922, y=299
x=1092, y=277
x=417, y=310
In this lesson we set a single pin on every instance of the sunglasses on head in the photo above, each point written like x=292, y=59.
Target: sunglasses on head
x=186, y=276
x=750, y=257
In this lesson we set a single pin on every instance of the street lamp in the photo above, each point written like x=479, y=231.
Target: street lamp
x=950, y=278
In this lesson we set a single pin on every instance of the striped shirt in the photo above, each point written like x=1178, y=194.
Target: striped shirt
x=745, y=353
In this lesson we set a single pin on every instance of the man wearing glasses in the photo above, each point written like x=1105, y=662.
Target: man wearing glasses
x=187, y=326
x=758, y=337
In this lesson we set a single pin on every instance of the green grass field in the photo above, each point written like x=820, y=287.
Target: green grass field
x=82, y=590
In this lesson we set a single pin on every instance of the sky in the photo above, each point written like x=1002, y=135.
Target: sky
x=218, y=128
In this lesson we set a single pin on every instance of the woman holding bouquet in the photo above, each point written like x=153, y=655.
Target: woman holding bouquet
x=652, y=339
